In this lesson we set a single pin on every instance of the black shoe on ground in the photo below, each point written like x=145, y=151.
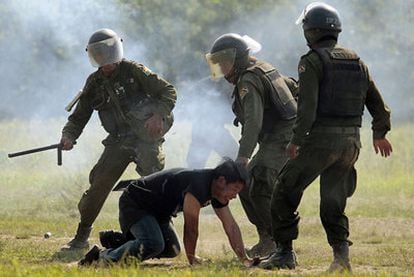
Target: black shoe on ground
x=75, y=245
x=80, y=241
x=280, y=260
x=341, y=261
x=340, y=266
x=91, y=256
x=261, y=249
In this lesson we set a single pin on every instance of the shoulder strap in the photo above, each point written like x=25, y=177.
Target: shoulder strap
x=115, y=100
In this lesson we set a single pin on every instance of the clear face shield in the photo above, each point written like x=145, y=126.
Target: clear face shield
x=105, y=52
x=221, y=62
x=252, y=44
x=305, y=11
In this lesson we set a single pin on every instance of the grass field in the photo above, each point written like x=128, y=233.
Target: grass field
x=38, y=197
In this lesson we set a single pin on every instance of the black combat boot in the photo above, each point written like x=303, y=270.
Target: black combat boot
x=341, y=258
x=283, y=258
x=80, y=241
x=263, y=248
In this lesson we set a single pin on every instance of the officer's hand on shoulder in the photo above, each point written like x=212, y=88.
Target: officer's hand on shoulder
x=383, y=146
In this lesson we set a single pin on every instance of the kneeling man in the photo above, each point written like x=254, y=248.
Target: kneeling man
x=148, y=204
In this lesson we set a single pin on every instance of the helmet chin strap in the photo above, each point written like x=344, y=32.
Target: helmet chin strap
x=232, y=76
x=241, y=63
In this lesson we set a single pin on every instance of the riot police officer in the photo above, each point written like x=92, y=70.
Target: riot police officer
x=265, y=107
x=135, y=108
x=334, y=87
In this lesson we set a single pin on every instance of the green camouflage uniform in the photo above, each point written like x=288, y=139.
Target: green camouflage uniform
x=251, y=100
x=124, y=101
x=329, y=148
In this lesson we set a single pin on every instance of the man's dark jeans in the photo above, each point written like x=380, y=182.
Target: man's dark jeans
x=152, y=240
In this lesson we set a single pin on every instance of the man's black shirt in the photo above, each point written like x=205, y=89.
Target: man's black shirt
x=162, y=194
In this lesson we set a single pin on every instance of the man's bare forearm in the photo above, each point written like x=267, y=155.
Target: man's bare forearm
x=190, y=242
x=236, y=241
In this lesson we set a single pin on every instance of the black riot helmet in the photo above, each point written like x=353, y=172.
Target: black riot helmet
x=228, y=55
x=231, y=41
x=319, y=21
x=104, y=47
x=320, y=15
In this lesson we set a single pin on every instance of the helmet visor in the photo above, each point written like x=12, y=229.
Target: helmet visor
x=302, y=16
x=105, y=52
x=253, y=45
x=221, y=62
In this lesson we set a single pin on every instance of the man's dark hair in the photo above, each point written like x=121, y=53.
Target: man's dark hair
x=231, y=171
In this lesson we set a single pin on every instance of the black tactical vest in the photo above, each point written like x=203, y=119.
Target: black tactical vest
x=344, y=83
x=282, y=104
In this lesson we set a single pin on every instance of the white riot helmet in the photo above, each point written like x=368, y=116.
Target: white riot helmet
x=104, y=47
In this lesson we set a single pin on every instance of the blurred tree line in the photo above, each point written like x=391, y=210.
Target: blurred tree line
x=185, y=29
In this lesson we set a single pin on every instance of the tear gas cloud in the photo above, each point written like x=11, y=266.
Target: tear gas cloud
x=44, y=62
x=379, y=31
x=43, y=49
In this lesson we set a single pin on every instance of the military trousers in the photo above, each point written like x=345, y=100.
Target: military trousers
x=264, y=168
x=109, y=168
x=335, y=166
x=256, y=197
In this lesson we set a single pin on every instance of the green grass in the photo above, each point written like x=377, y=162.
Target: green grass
x=38, y=197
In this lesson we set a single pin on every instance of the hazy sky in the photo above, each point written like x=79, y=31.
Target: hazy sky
x=44, y=63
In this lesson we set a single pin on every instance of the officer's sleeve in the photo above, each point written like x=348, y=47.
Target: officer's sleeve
x=252, y=103
x=80, y=116
x=380, y=113
x=158, y=88
x=307, y=100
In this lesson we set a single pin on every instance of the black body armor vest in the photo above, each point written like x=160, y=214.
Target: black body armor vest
x=344, y=83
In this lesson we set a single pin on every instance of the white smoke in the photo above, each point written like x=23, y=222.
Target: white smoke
x=44, y=62
x=380, y=31
x=44, y=59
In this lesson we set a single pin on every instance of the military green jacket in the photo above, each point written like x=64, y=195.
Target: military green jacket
x=249, y=104
x=310, y=76
x=124, y=101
